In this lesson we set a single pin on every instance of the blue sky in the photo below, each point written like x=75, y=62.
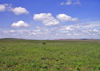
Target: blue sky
x=50, y=19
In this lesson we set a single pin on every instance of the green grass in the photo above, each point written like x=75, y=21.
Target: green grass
x=35, y=55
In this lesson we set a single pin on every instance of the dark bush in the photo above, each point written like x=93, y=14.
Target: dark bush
x=44, y=43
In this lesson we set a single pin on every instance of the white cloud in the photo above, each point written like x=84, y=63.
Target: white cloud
x=34, y=33
x=64, y=18
x=7, y=4
x=12, y=31
x=5, y=32
x=77, y=2
x=91, y=24
x=37, y=30
x=62, y=3
x=46, y=18
x=37, y=27
x=68, y=3
x=2, y=7
x=92, y=32
x=95, y=30
x=76, y=31
x=19, y=10
x=16, y=10
x=20, y=24
x=68, y=28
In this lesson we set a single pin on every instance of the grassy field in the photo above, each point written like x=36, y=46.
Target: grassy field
x=35, y=55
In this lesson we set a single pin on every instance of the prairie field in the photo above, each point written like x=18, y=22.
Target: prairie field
x=49, y=55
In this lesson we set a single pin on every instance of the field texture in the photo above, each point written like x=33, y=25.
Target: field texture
x=33, y=55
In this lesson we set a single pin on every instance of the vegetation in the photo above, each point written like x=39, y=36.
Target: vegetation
x=43, y=43
x=33, y=55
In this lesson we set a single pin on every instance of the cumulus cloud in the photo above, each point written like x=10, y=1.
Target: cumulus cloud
x=16, y=10
x=64, y=18
x=19, y=10
x=20, y=24
x=46, y=18
x=2, y=7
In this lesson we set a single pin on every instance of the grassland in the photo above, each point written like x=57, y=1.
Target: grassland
x=35, y=55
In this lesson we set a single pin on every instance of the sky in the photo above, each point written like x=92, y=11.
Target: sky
x=50, y=19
